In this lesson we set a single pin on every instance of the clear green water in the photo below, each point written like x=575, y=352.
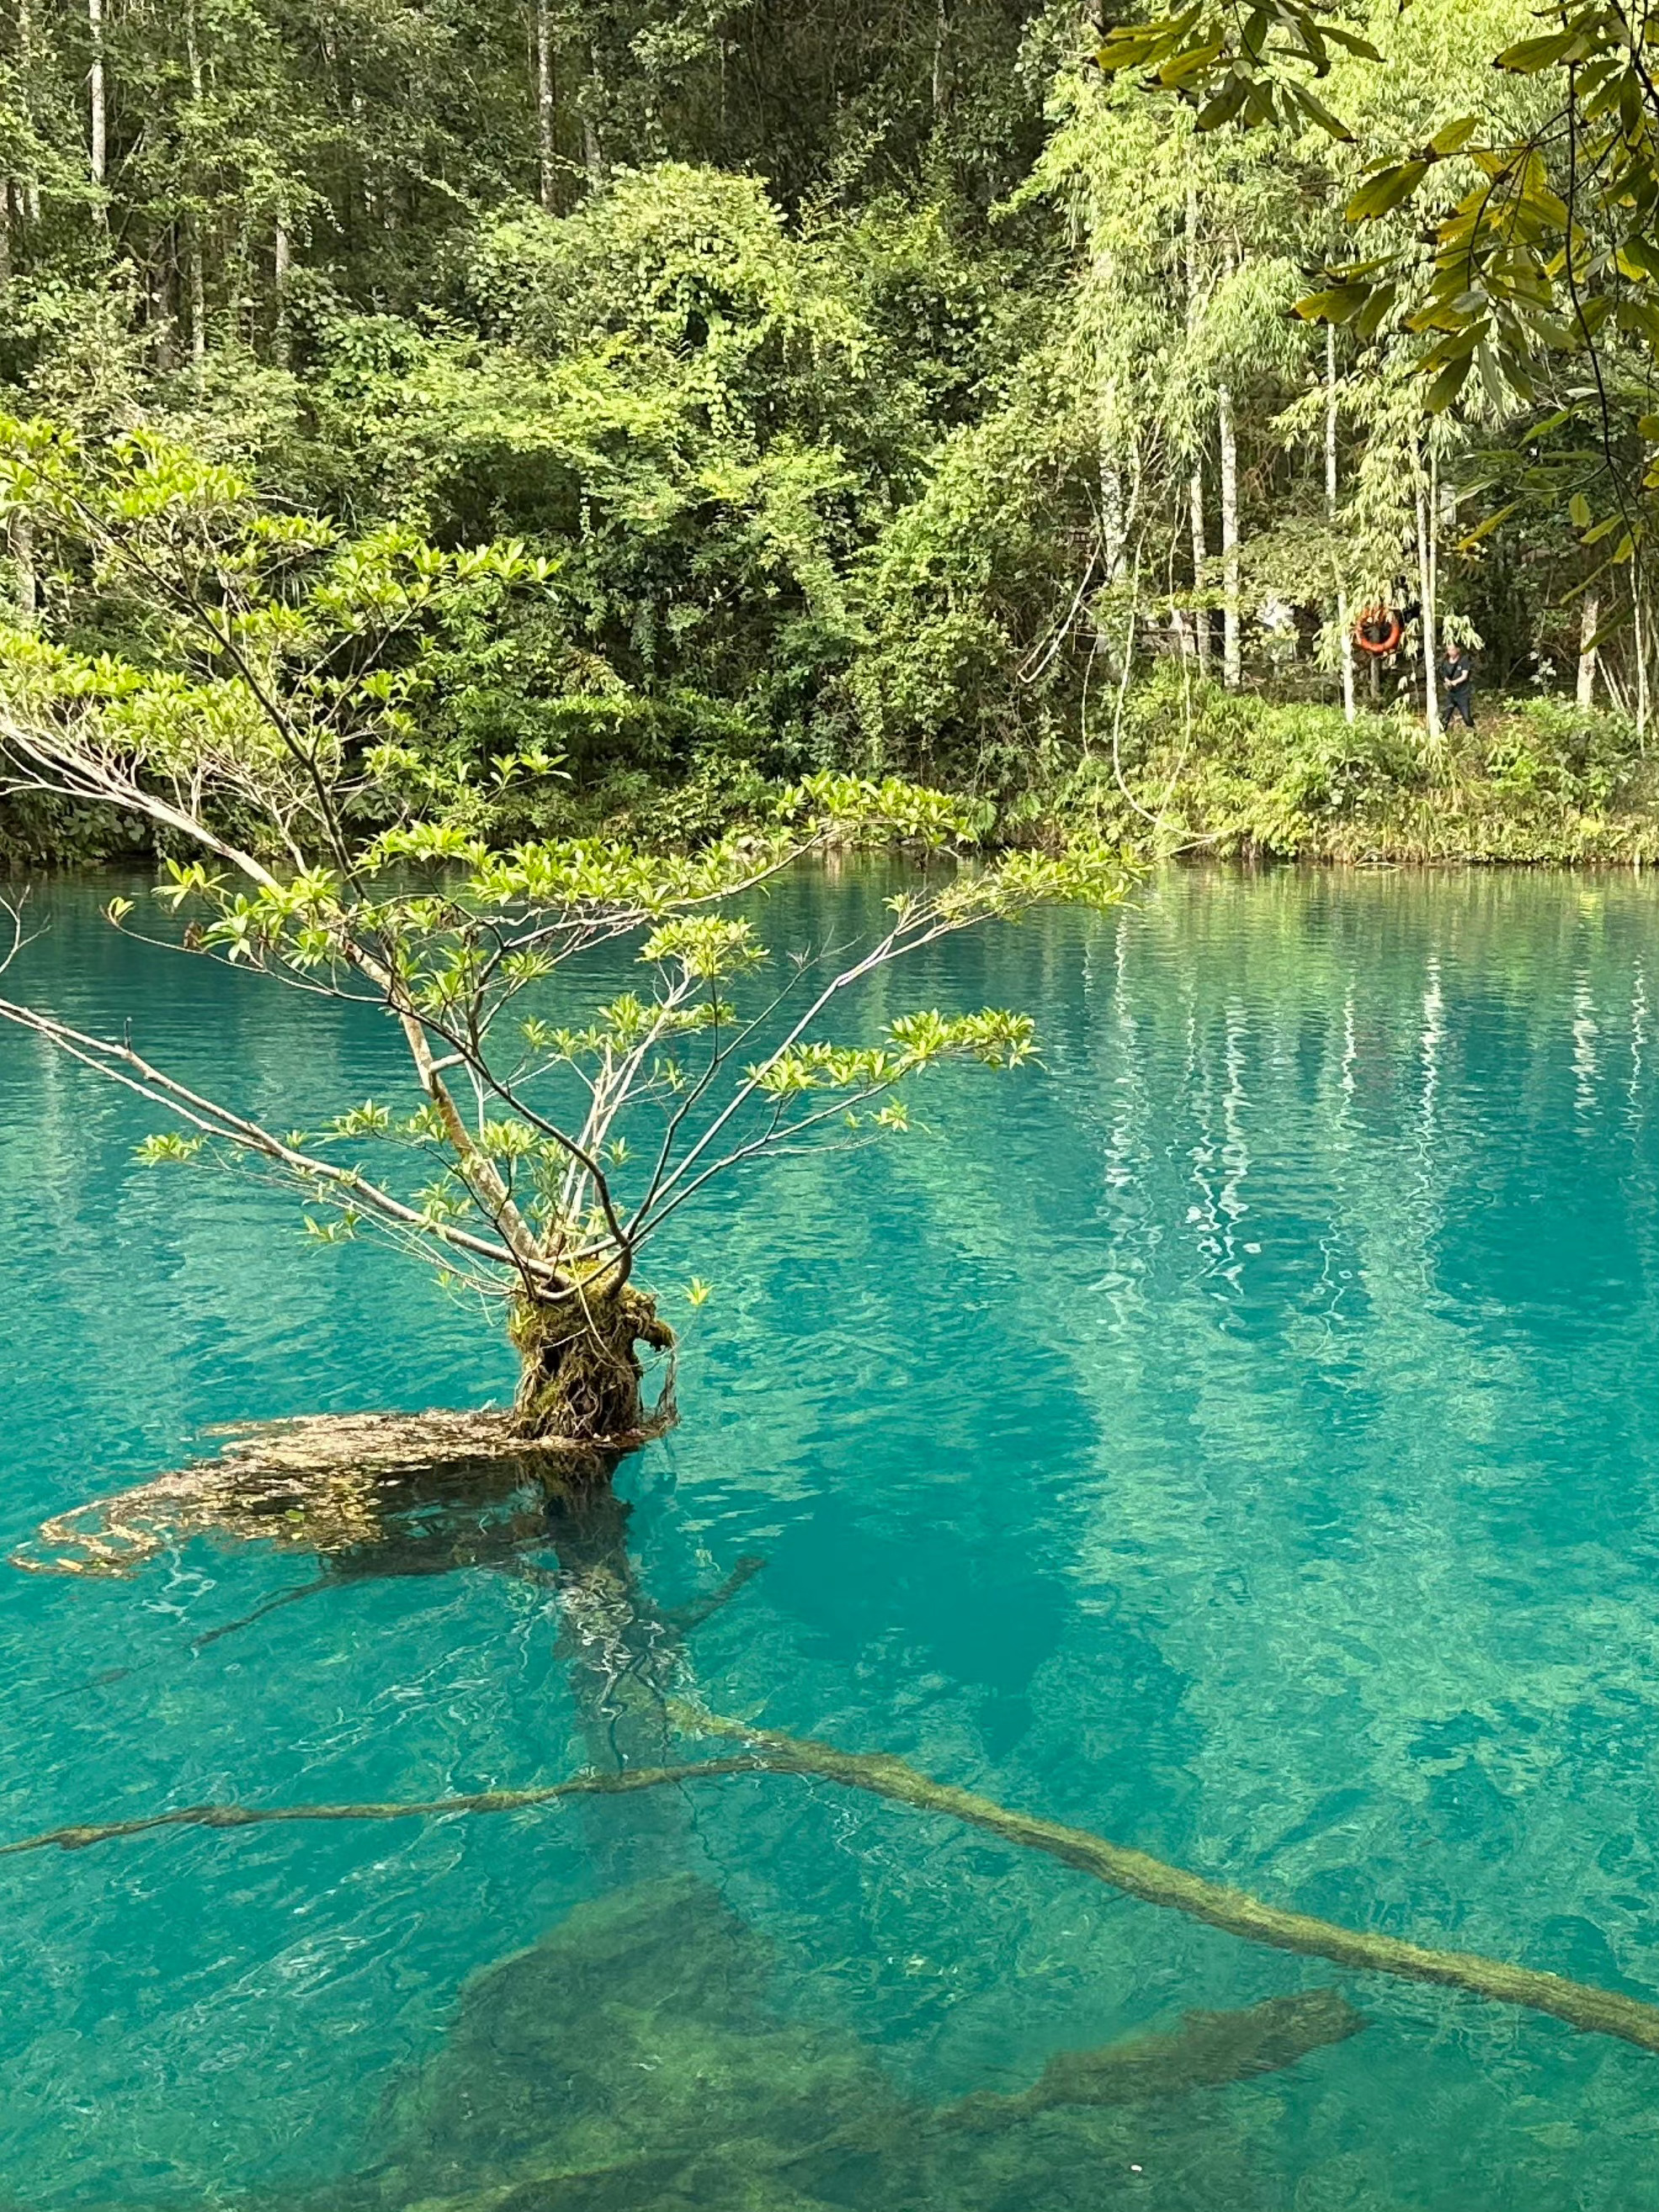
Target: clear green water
x=1237, y=1438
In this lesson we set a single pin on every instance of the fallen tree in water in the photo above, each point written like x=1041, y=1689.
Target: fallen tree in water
x=1594, y=2011
x=327, y=1486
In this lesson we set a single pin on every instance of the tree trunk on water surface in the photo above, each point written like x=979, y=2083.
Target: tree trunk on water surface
x=580, y=1372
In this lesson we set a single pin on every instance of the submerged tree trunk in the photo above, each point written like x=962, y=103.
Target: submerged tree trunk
x=1590, y=616
x=580, y=1370
x=1232, y=654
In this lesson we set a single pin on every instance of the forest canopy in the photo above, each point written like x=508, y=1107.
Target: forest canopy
x=892, y=389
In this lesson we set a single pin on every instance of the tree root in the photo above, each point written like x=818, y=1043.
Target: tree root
x=1592, y=2011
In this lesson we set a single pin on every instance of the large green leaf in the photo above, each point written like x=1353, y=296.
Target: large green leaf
x=1383, y=191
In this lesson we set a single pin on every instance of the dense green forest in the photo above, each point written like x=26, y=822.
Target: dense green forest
x=882, y=386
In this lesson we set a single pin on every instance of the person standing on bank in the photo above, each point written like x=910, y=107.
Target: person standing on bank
x=1456, y=677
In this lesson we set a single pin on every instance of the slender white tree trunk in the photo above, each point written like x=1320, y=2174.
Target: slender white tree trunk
x=1232, y=654
x=941, y=85
x=593, y=145
x=281, y=262
x=546, y=106
x=98, y=141
x=197, y=284
x=1114, y=532
x=1200, y=561
x=1425, y=583
x=1589, y=614
x=195, y=275
x=1332, y=489
x=1639, y=629
x=1196, y=482
x=29, y=192
x=22, y=559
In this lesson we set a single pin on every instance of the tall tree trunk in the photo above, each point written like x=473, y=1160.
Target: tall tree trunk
x=1589, y=614
x=1427, y=624
x=22, y=533
x=196, y=285
x=281, y=261
x=941, y=85
x=1200, y=561
x=7, y=194
x=162, y=320
x=195, y=276
x=29, y=191
x=1196, y=482
x=1639, y=630
x=98, y=139
x=1232, y=653
x=592, y=144
x=1331, y=509
x=546, y=106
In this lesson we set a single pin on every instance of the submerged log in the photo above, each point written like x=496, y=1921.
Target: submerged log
x=1208, y=2049
x=1592, y=2011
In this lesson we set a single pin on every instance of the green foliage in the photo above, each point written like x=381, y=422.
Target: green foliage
x=1234, y=777
x=262, y=715
x=792, y=392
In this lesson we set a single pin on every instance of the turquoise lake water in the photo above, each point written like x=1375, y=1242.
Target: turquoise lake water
x=1235, y=1436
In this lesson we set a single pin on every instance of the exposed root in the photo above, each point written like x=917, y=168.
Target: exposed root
x=1594, y=2011
x=581, y=1373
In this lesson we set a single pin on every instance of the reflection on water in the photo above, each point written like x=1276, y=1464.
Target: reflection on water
x=1236, y=1439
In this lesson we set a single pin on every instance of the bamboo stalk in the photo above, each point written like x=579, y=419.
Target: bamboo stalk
x=1136, y=1873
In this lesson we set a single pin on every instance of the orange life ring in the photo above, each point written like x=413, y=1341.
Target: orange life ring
x=1377, y=630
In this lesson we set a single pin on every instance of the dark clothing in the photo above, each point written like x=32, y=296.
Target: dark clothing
x=1457, y=677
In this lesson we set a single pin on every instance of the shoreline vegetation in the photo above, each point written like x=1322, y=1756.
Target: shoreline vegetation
x=1191, y=773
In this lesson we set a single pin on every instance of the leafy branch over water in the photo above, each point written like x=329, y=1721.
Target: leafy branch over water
x=264, y=723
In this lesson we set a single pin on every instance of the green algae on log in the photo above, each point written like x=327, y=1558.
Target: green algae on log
x=324, y=1485
x=1594, y=2011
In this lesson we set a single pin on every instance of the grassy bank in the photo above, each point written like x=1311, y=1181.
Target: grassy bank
x=1195, y=769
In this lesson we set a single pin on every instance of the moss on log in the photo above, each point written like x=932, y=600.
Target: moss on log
x=1592, y=2011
